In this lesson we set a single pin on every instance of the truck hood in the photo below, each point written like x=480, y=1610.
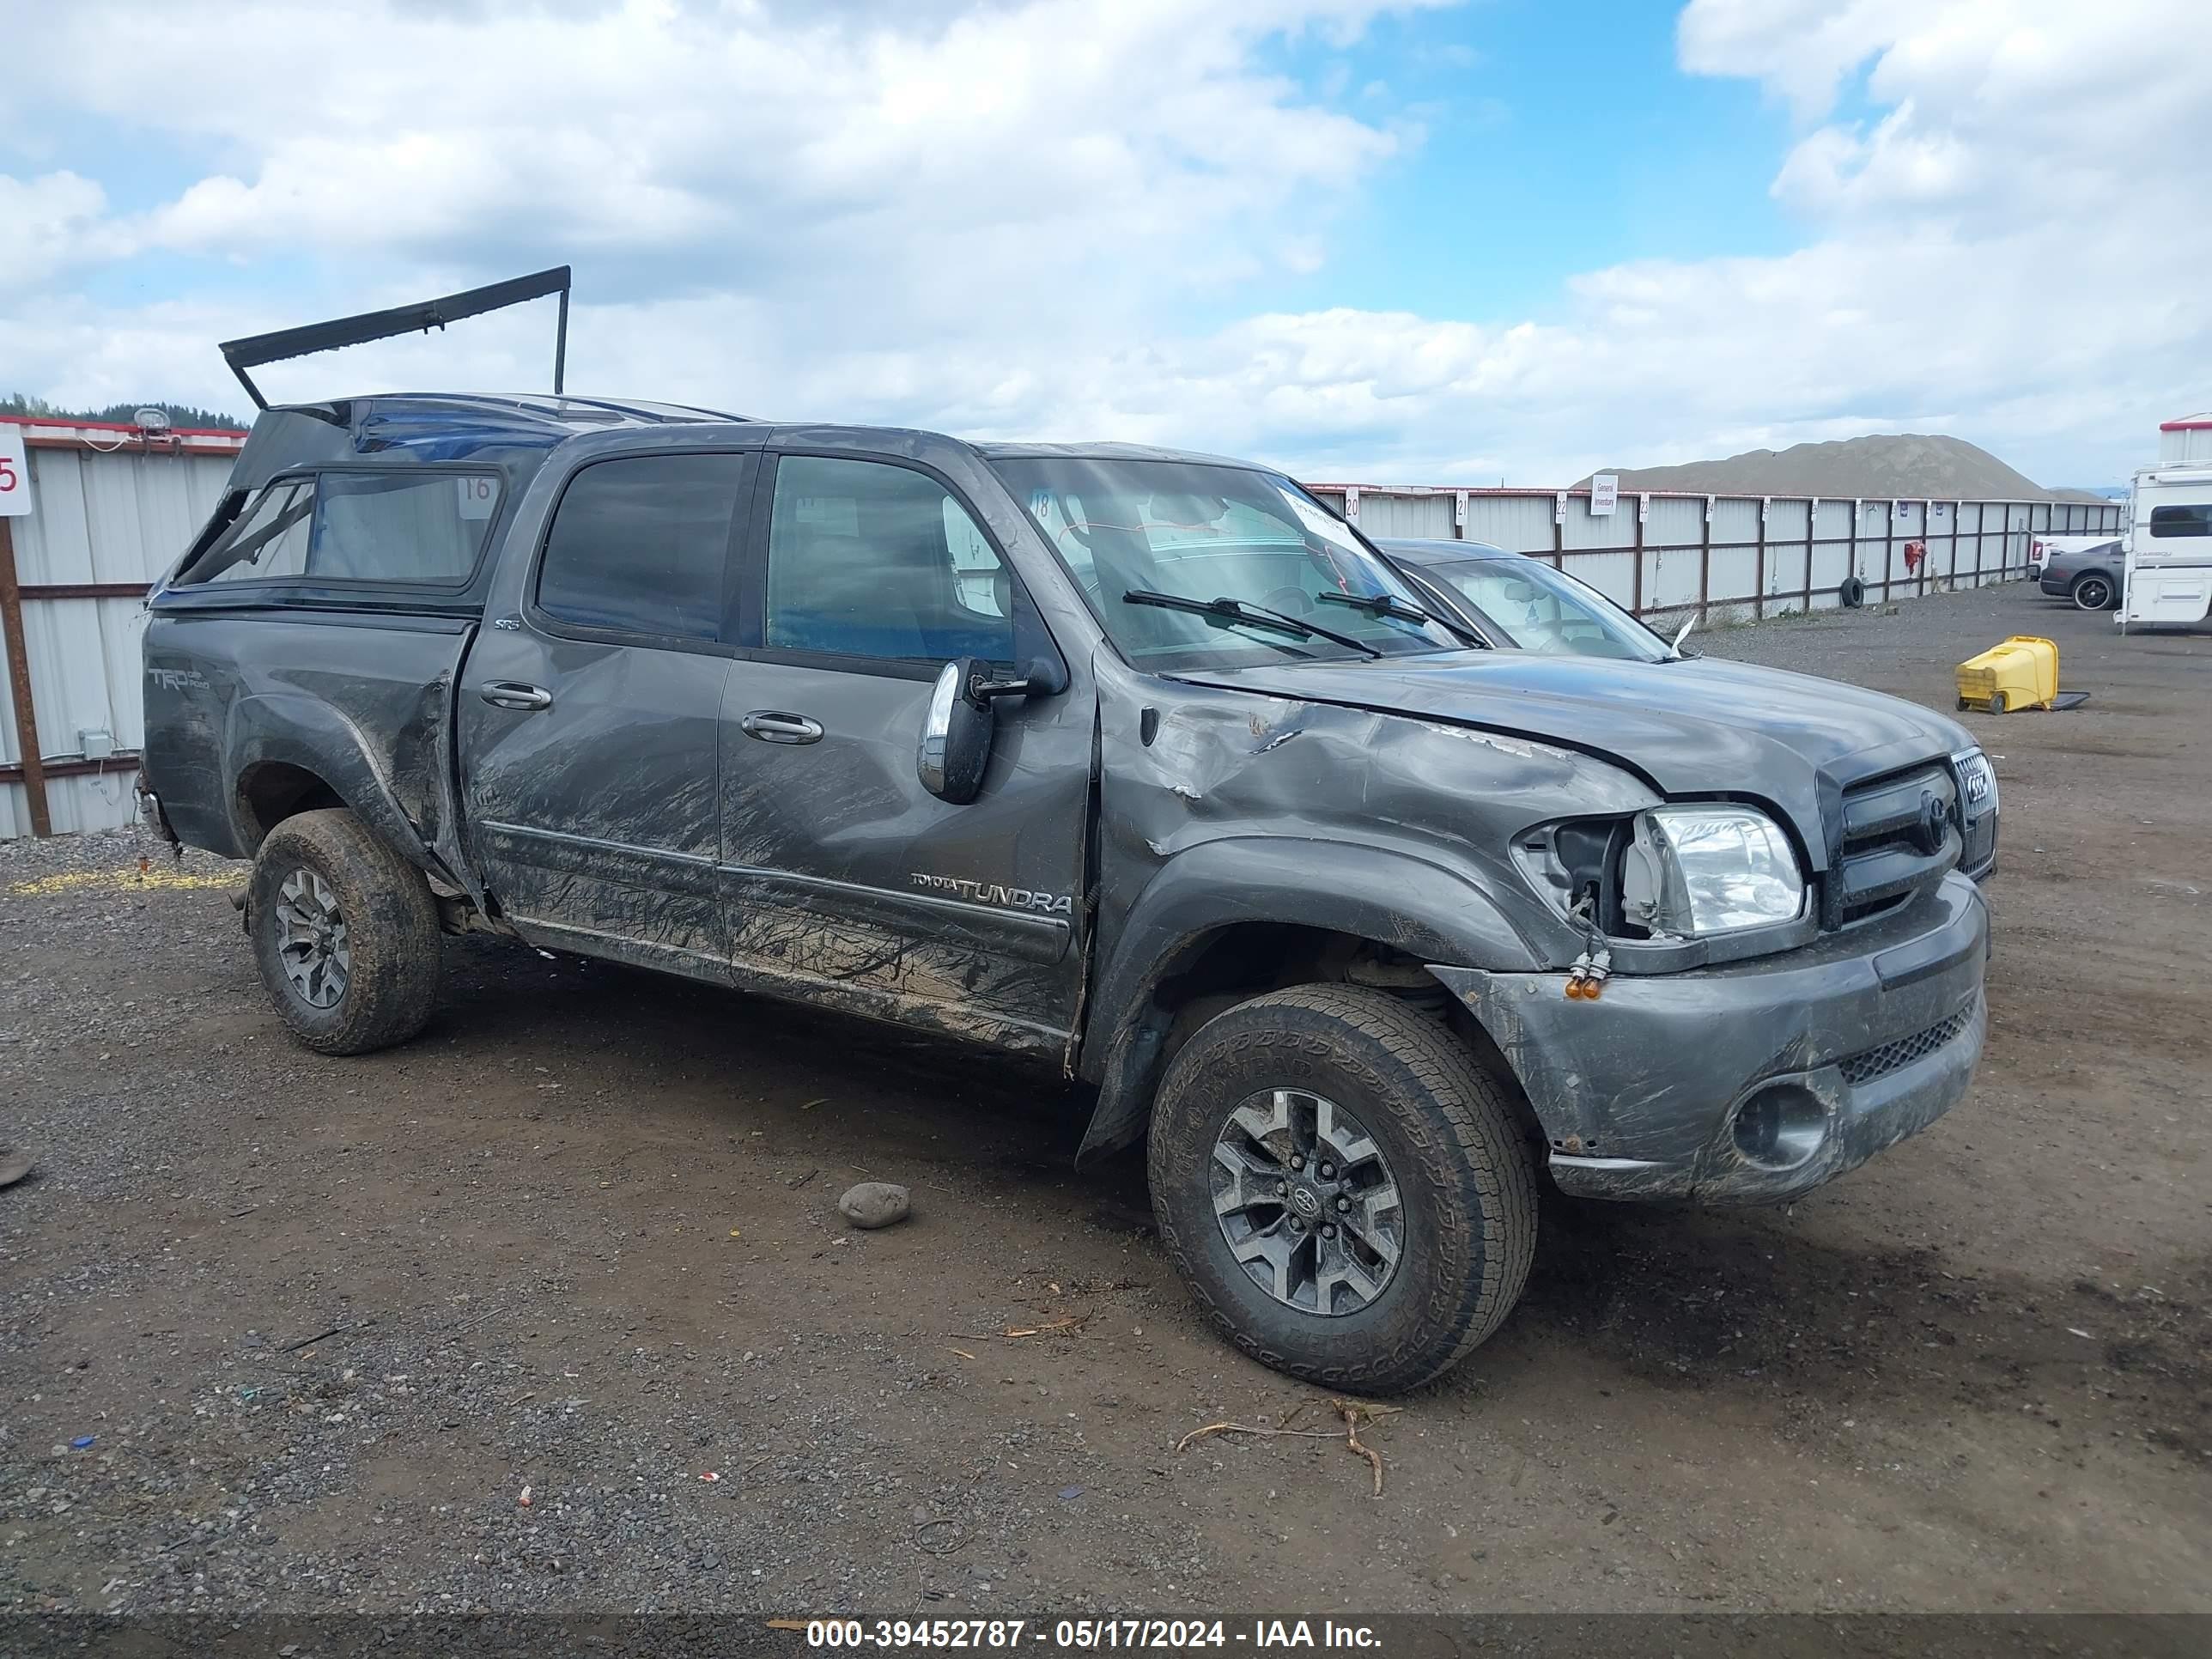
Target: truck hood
x=1696, y=727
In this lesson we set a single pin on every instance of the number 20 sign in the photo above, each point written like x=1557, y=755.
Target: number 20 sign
x=14, y=472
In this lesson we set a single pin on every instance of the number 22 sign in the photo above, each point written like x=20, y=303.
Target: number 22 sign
x=14, y=472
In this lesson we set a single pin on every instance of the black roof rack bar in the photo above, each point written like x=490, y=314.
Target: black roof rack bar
x=281, y=345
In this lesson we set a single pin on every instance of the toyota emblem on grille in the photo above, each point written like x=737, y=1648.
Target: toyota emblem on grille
x=1934, y=823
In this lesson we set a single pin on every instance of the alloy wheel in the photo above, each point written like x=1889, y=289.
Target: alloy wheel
x=1307, y=1203
x=311, y=939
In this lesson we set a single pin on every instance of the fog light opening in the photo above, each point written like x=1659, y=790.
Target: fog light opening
x=1781, y=1127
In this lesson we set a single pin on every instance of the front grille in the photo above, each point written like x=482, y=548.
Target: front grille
x=1900, y=834
x=1895, y=1056
x=1981, y=852
x=1978, y=802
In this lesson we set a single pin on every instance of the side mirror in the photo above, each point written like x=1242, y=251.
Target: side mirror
x=955, y=731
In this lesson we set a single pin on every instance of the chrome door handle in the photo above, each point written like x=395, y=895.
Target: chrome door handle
x=514, y=694
x=773, y=725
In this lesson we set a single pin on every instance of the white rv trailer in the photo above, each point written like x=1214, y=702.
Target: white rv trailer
x=2169, y=541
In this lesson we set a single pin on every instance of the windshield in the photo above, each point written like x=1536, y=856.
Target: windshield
x=1194, y=533
x=1541, y=609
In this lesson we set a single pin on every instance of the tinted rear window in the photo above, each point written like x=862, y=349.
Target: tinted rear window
x=642, y=545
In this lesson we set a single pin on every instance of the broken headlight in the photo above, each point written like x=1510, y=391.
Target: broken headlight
x=1697, y=871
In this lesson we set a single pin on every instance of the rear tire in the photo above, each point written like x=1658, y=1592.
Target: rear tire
x=1432, y=1210
x=1999, y=702
x=2093, y=593
x=345, y=933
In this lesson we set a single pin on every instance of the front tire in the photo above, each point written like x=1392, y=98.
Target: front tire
x=345, y=933
x=1348, y=1195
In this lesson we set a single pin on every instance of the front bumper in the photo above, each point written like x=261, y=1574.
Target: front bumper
x=1868, y=1035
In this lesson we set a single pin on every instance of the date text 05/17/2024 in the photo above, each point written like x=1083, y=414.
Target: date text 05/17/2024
x=1261, y=1635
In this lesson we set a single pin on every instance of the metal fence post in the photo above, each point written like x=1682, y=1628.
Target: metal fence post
x=1812, y=522
x=1758, y=568
x=19, y=686
x=1705, y=563
x=1635, y=578
x=1919, y=578
x=1858, y=507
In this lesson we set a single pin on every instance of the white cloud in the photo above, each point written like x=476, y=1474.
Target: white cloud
x=723, y=147
x=53, y=223
x=989, y=219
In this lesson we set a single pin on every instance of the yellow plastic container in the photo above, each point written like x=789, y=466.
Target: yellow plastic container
x=2021, y=673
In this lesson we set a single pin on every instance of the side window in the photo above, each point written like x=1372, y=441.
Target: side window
x=2192, y=520
x=426, y=528
x=270, y=538
x=866, y=559
x=642, y=545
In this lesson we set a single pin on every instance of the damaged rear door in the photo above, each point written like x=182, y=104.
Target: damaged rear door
x=845, y=881
x=588, y=714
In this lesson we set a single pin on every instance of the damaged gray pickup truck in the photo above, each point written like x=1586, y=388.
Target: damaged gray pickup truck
x=1142, y=762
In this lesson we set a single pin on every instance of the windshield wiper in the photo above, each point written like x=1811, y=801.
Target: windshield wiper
x=1389, y=605
x=1236, y=611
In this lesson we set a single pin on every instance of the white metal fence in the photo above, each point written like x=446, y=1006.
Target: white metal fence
x=1733, y=557
x=111, y=507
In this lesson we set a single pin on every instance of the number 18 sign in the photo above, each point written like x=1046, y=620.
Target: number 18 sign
x=14, y=472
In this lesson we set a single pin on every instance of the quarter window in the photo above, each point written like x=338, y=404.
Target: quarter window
x=870, y=560
x=2194, y=521
x=641, y=546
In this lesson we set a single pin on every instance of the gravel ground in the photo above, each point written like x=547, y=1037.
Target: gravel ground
x=328, y=1324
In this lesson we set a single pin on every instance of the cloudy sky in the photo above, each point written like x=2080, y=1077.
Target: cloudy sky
x=1418, y=242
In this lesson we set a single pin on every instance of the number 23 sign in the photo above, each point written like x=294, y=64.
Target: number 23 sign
x=14, y=472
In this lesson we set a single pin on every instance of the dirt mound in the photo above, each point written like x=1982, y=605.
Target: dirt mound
x=1907, y=467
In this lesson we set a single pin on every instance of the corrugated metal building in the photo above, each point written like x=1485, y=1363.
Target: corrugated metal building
x=111, y=509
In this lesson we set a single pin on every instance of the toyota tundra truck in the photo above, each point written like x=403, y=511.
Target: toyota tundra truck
x=1140, y=761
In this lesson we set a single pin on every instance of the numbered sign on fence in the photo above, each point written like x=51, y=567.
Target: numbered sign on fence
x=14, y=472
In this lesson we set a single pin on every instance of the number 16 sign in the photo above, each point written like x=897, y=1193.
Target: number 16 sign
x=14, y=472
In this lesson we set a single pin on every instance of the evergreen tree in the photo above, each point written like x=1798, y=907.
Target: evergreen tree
x=188, y=415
